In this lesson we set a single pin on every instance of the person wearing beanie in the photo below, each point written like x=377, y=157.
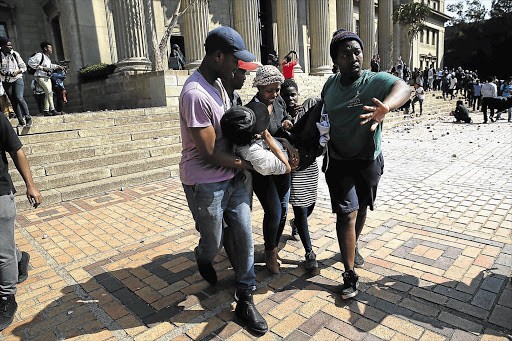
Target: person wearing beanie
x=209, y=170
x=354, y=163
x=273, y=191
x=12, y=69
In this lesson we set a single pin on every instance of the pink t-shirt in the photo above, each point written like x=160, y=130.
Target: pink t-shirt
x=201, y=106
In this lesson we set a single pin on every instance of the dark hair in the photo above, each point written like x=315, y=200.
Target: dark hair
x=288, y=58
x=4, y=40
x=289, y=83
x=459, y=102
x=240, y=138
x=44, y=44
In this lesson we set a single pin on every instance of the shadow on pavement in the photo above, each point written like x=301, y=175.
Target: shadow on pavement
x=169, y=288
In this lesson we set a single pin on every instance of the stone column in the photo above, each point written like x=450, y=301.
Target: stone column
x=195, y=29
x=385, y=34
x=275, y=39
x=319, y=36
x=246, y=23
x=345, y=14
x=397, y=34
x=367, y=29
x=287, y=30
x=130, y=32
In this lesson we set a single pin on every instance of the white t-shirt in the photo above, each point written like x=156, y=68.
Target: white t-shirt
x=420, y=93
x=489, y=90
x=262, y=159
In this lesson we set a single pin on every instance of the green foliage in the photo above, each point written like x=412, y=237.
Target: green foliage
x=95, y=72
x=500, y=8
x=482, y=46
x=412, y=15
x=467, y=11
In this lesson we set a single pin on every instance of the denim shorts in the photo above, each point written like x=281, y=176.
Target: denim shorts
x=353, y=183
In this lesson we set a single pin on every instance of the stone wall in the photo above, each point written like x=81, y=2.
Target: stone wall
x=152, y=89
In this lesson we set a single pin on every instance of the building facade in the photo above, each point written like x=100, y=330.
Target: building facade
x=87, y=32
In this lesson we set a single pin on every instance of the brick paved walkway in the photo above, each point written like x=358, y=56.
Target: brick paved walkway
x=438, y=253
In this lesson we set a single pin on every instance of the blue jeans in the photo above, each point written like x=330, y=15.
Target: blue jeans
x=301, y=214
x=210, y=204
x=273, y=192
x=14, y=91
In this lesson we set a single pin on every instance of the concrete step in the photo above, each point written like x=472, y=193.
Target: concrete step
x=62, y=179
x=139, y=144
x=103, y=114
x=95, y=187
x=133, y=128
x=90, y=120
x=65, y=163
x=144, y=164
x=49, y=137
x=113, y=183
x=55, y=156
x=41, y=125
x=94, y=162
x=85, y=142
x=65, y=179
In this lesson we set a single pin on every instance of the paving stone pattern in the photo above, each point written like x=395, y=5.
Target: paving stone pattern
x=438, y=253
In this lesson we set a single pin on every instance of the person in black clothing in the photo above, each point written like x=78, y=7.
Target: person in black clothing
x=13, y=262
x=461, y=113
x=375, y=63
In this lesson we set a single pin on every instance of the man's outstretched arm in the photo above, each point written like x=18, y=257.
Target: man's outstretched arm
x=20, y=161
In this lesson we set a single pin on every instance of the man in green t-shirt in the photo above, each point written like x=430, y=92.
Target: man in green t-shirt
x=354, y=97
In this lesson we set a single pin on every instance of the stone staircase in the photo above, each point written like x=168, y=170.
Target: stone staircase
x=433, y=106
x=79, y=155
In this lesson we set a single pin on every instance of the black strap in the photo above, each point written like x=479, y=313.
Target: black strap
x=42, y=58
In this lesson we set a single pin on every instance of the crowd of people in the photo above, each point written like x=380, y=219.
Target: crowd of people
x=267, y=147
x=48, y=82
x=479, y=94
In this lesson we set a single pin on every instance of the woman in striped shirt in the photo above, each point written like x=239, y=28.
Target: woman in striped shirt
x=304, y=183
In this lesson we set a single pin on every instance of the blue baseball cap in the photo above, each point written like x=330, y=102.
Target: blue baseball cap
x=226, y=39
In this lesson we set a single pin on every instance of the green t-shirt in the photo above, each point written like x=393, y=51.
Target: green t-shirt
x=349, y=139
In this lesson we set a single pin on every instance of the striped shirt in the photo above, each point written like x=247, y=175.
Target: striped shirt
x=304, y=186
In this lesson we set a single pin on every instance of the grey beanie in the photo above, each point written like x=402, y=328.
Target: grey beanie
x=268, y=74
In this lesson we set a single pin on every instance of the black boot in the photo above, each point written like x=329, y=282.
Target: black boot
x=8, y=307
x=207, y=272
x=246, y=310
x=23, y=267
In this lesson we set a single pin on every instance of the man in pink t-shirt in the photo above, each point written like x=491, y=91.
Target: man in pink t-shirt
x=288, y=65
x=209, y=171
